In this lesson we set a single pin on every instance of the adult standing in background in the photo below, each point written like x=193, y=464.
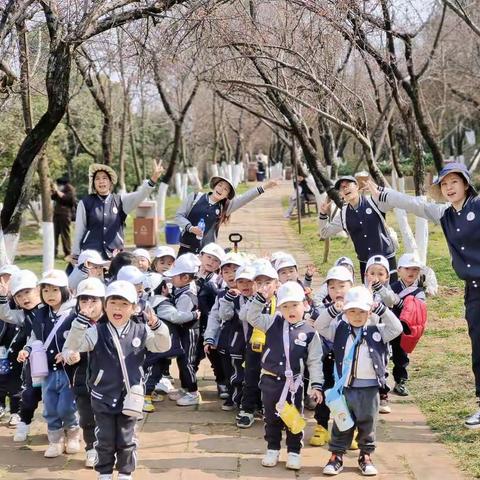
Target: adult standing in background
x=101, y=215
x=65, y=201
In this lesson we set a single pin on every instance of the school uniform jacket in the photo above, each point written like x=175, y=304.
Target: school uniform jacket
x=305, y=346
x=365, y=227
x=13, y=338
x=461, y=228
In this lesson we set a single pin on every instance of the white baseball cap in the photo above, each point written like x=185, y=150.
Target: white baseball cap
x=154, y=279
x=358, y=297
x=141, y=252
x=247, y=272
x=8, y=269
x=409, y=260
x=132, y=274
x=164, y=251
x=214, y=250
x=290, y=292
x=123, y=289
x=187, y=263
x=265, y=269
x=234, y=259
x=378, y=260
x=91, y=256
x=285, y=262
x=21, y=280
x=58, y=278
x=344, y=261
x=276, y=255
x=343, y=274
x=92, y=287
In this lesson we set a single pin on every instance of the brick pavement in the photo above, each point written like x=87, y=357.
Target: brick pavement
x=196, y=443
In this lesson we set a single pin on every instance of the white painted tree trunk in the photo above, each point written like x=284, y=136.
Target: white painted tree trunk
x=421, y=236
x=48, y=246
x=276, y=171
x=11, y=245
x=230, y=170
x=161, y=199
x=184, y=186
x=237, y=174
x=409, y=243
x=178, y=185
x=4, y=259
x=214, y=169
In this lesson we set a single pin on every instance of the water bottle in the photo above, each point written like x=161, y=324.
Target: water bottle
x=201, y=226
x=38, y=363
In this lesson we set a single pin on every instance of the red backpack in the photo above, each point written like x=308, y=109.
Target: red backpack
x=414, y=321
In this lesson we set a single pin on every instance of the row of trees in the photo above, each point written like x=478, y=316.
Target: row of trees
x=381, y=83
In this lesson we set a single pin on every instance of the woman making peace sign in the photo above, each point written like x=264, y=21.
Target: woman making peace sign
x=460, y=222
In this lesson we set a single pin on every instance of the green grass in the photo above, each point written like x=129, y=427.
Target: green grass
x=441, y=380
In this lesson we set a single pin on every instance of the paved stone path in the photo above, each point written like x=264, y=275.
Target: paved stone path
x=203, y=443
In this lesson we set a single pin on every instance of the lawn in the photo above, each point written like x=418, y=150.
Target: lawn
x=441, y=377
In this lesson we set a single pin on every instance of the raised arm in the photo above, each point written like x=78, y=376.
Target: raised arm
x=255, y=317
x=241, y=200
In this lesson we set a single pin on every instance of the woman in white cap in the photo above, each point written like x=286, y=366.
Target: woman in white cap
x=459, y=219
x=364, y=220
x=101, y=215
x=201, y=214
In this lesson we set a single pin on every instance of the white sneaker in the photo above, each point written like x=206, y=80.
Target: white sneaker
x=3, y=411
x=21, y=432
x=384, y=407
x=176, y=394
x=73, y=440
x=294, y=461
x=124, y=476
x=90, y=458
x=271, y=458
x=164, y=386
x=105, y=476
x=54, y=450
x=190, y=398
x=14, y=420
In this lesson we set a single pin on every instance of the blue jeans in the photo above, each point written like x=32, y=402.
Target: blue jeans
x=59, y=407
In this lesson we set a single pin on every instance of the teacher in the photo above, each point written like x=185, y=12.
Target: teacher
x=101, y=215
x=460, y=222
x=201, y=214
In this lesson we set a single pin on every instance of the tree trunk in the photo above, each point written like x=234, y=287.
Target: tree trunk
x=123, y=135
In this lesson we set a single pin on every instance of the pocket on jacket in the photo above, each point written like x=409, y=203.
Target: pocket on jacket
x=234, y=339
x=86, y=236
x=99, y=377
x=265, y=355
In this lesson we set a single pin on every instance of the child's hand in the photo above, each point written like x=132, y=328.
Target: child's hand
x=311, y=270
x=233, y=292
x=151, y=317
x=339, y=305
x=325, y=206
x=73, y=357
x=22, y=356
x=59, y=358
x=3, y=287
x=208, y=347
x=87, y=310
x=317, y=396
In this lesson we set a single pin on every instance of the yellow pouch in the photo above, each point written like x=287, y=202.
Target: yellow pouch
x=292, y=418
x=257, y=340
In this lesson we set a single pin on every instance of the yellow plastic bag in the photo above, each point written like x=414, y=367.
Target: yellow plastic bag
x=257, y=340
x=292, y=418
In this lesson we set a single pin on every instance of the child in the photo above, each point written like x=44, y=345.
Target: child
x=142, y=258
x=208, y=286
x=228, y=268
x=266, y=279
x=114, y=429
x=163, y=259
x=338, y=282
x=351, y=332
x=184, y=299
x=377, y=277
x=323, y=292
x=291, y=345
x=26, y=303
x=90, y=297
x=409, y=267
x=90, y=264
x=52, y=326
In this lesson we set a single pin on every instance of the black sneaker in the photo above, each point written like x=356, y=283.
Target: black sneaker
x=401, y=388
x=473, y=422
x=228, y=405
x=245, y=420
x=334, y=465
x=366, y=466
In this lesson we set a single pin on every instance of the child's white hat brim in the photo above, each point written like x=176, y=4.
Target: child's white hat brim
x=91, y=287
x=22, y=280
x=57, y=278
x=342, y=274
x=122, y=289
x=290, y=292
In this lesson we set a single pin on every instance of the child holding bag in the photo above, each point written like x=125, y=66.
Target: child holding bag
x=119, y=343
x=360, y=350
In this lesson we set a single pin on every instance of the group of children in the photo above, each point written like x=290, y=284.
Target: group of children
x=96, y=348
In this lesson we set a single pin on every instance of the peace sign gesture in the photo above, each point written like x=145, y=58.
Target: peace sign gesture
x=3, y=287
x=325, y=206
x=157, y=170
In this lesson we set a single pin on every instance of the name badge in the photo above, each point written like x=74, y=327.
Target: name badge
x=377, y=337
x=136, y=342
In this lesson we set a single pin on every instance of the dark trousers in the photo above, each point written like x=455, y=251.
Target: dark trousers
x=363, y=406
x=271, y=389
x=155, y=374
x=187, y=363
x=393, y=270
x=251, y=398
x=322, y=412
x=87, y=419
x=115, y=439
x=215, y=361
x=400, y=360
x=61, y=228
x=234, y=376
x=11, y=387
x=31, y=397
x=472, y=314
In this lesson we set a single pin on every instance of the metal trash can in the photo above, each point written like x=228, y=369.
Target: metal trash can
x=145, y=225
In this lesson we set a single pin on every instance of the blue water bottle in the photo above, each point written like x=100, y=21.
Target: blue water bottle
x=201, y=226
